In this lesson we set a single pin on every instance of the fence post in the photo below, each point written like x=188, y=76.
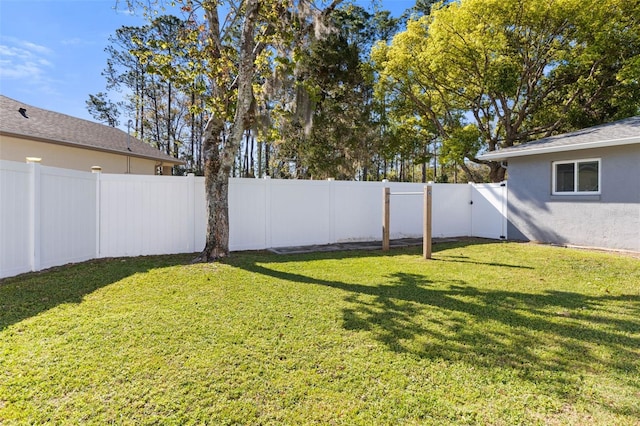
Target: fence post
x=332, y=210
x=426, y=233
x=191, y=213
x=504, y=193
x=97, y=170
x=386, y=195
x=34, y=211
x=268, y=222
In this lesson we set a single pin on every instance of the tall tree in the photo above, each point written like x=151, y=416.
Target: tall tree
x=515, y=71
x=166, y=106
x=325, y=130
x=160, y=59
x=103, y=109
x=126, y=73
x=320, y=116
x=229, y=53
x=219, y=150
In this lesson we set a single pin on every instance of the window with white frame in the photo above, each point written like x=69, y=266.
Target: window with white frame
x=581, y=177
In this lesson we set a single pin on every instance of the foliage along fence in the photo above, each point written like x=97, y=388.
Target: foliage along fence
x=51, y=216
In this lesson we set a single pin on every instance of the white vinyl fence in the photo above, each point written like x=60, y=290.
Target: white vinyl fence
x=51, y=217
x=48, y=217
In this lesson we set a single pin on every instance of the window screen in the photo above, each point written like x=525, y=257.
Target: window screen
x=576, y=177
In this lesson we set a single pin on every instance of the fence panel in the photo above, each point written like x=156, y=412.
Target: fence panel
x=145, y=215
x=52, y=216
x=199, y=214
x=15, y=223
x=357, y=211
x=299, y=212
x=405, y=211
x=248, y=214
x=67, y=216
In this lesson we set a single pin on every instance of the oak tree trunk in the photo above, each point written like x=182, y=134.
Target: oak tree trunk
x=216, y=182
x=496, y=171
x=219, y=153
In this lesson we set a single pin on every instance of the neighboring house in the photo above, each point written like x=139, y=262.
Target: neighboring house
x=580, y=188
x=73, y=143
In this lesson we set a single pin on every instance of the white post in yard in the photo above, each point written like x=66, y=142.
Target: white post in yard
x=386, y=195
x=331, y=210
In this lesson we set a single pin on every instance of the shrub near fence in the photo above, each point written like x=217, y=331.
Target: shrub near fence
x=52, y=216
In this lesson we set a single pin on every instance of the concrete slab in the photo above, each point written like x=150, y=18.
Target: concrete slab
x=356, y=245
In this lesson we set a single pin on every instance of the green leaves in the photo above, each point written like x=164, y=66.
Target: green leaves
x=516, y=70
x=463, y=142
x=503, y=76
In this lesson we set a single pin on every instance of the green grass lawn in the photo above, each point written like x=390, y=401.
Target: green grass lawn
x=486, y=333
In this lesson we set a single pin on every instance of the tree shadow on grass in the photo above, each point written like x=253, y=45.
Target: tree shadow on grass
x=27, y=295
x=453, y=320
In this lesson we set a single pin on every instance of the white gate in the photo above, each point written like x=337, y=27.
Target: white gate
x=489, y=210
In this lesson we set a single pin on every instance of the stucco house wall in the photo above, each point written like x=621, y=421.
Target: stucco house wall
x=60, y=140
x=609, y=220
x=597, y=199
x=68, y=157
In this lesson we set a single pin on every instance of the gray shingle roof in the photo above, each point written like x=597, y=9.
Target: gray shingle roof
x=621, y=132
x=54, y=127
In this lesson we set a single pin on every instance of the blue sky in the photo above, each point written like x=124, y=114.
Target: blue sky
x=52, y=51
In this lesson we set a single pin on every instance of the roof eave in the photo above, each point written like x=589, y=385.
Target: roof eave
x=499, y=155
x=92, y=148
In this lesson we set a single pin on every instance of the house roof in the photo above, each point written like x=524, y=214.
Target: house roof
x=53, y=127
x=623, y=132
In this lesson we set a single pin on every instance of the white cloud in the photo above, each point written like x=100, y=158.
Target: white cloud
x=25, y=70
x=26, y=63
x=77, y=41
x=32, y=47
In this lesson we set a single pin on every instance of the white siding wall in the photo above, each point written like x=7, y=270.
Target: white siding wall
x=53, y=216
